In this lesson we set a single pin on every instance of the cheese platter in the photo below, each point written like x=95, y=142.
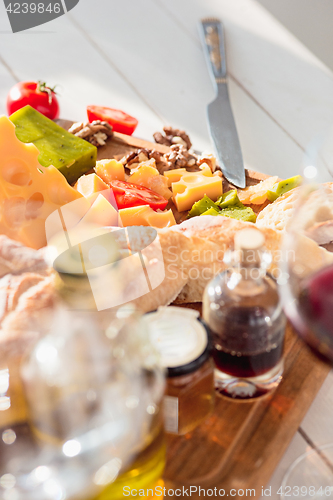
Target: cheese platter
x=240, y=443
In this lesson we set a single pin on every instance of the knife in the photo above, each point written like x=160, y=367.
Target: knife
x=221, y=123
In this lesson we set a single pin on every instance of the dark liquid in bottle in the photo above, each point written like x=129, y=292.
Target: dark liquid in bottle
x=316, y=306
x=247, y=345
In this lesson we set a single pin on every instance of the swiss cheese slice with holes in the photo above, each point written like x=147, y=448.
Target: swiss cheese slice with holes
x=29, y=193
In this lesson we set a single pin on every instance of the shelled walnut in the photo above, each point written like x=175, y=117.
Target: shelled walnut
x=180, y=157
x=173, y=136
x=208, y=158
x=96, y=132
x=132, y=160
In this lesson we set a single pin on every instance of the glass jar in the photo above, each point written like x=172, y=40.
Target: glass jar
x=182, y=341
x=242, y=309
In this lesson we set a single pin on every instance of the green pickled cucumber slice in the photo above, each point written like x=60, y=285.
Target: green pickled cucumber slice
x=240, y=213
x=228, y=199
x=202, y=206
x=69, y=154
x=211, y=211
x=282, y=187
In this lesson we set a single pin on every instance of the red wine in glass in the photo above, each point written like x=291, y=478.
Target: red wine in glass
x=315, y=305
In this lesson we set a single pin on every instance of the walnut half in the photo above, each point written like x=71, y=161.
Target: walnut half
x=173, y=136
x=96, y=132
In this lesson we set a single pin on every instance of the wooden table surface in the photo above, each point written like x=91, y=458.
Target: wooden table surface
x=144, y=56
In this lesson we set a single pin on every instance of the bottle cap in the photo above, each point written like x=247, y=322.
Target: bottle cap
x=249, y=239
x=180, y=338
x=249, y=242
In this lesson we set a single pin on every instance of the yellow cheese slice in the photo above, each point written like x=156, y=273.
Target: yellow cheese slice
x=194, y=186
x=174, y=175
x=100, y=214
x=29, y=193
x=161, y=219
x=205, y=170
x=142, y=174
x=146, y=216
x=148, y=176
x=89, y=184
x=134, y=216
x=110, y=170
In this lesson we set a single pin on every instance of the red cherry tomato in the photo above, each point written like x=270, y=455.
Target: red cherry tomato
x=120, y=121
x=37, y=94
x=132, y=195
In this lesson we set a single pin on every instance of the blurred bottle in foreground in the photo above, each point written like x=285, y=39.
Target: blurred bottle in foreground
x=94, y=388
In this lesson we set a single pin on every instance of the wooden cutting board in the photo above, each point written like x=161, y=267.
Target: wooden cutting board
x=241, y=443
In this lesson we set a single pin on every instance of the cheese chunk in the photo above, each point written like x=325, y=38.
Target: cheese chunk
x=142, y=173
x=146, y=216
x=161, y=219
x=100, y=214
x=110, y=170
x=134, y=216
x=148, y=176
x=194, y=186
x=29, y=193
x=205, y=170
x=70, y=154
x=174, y=175
x=89, y=184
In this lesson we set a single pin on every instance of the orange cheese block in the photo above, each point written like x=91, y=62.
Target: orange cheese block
x=89, y=184
x=205, y=170
x=110, y=170
x=147, y=175
x=146, y=216
x=100, y=214
x=29, y=193
x=174, y=175
x=193, y=186
x=143, y=173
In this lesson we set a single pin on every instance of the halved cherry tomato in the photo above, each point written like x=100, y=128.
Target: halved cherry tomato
x=132, y=195
x=37, y=94
x=120, y=121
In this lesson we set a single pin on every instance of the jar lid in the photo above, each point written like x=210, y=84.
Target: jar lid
x=180, y=337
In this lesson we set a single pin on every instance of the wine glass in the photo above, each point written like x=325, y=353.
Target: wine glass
x=306, y=288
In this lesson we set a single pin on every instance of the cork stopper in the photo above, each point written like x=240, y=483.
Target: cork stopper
x=249, y=242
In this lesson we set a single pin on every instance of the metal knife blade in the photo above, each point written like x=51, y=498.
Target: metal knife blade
x=221, y=121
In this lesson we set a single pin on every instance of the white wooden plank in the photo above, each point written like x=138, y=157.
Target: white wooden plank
x=59, y=53
x=8, y=78
x=297, y=447
x=289, y=82
x=153, y=53
x=318, y=422
x=168, y=69
x=7, y=81
x=266, y=147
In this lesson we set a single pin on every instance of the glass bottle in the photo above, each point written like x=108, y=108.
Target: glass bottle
x=94, y=388
x=242, y=310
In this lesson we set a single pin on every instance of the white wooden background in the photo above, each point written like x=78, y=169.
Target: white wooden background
x=144, y=56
